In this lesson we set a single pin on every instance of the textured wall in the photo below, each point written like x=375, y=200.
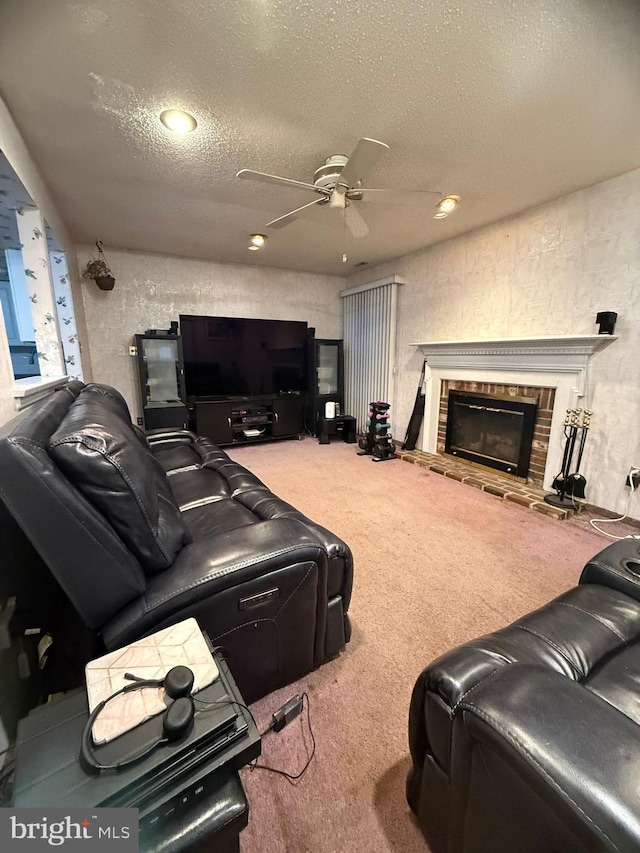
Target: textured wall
x=547, y=271
x=152, y=290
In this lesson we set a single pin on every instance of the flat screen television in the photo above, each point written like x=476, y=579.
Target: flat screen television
x=235, y=356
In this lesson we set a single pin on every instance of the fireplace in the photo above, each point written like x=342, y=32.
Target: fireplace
x=555, y=364
x=496, y=431
x=541, y=403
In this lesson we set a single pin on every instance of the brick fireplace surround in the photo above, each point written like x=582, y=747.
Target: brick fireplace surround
x=544, y=397
x=553, y=369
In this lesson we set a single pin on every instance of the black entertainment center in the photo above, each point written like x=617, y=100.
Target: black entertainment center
x=253, y=418
x=239, y=380
x=245, y=379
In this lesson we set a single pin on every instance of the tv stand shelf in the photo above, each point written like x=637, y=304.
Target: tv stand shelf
x=238, y=420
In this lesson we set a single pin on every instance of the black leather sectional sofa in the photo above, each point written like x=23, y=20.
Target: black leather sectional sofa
x=528, y=739
x=141, y=532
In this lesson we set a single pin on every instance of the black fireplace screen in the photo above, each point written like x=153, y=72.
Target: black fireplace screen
x=493, y=431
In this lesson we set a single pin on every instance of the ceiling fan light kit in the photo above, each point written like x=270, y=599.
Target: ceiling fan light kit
x=256, y=241
x=339, y=181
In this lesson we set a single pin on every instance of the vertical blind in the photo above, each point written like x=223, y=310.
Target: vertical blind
x=370, y=316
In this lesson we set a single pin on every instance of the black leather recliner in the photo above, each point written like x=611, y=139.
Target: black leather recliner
x=141, y=533
x=528, y=739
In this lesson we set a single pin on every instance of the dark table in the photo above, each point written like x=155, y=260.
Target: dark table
x=341, y=425
x=188, y=793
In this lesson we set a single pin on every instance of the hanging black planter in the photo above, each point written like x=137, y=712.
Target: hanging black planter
x=99, y=270
x=105, y=282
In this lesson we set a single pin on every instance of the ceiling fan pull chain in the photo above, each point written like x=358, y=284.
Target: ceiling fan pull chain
x=344, y=236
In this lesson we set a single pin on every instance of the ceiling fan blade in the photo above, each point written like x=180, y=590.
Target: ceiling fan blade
x=281, y=221
x=393, y=196
x=249, y=174
x=364, y=155
x=355, y=222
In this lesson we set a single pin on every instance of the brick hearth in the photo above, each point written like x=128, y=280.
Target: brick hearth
x=501, y=485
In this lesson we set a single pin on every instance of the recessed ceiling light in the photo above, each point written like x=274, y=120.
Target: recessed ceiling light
x=448, y=203
x=253, y=248
x=178, y=121
x=257, y=240
x=440, y=215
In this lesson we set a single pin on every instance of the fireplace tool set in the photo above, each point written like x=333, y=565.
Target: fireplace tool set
x=569, y=485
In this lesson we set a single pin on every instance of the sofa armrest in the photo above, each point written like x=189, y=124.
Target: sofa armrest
x=616, y=566
x=167, y=439
x=208, y=566
x=572, y=754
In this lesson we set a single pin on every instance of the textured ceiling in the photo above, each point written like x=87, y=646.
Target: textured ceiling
x=507, y=104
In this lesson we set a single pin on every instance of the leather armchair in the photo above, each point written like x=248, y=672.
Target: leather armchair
x=528, y=739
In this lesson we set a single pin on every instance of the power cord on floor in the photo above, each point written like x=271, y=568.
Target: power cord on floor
x=280, y=719
x=612, y=520
x=284, y=715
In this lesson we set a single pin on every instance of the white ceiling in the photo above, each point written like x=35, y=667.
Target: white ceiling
x=507, y=103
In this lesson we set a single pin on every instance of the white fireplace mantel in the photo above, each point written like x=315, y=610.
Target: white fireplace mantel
x=565, y=352
x=559, y=362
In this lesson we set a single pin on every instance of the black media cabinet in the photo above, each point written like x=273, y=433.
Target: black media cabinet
x=240, y=420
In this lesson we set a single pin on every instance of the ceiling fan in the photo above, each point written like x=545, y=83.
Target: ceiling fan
x=339, y=183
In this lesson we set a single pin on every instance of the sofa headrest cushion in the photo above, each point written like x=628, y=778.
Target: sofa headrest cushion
x=110, y=395
x=97, y=449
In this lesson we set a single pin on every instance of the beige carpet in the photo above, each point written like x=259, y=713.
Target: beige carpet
x=436, y=563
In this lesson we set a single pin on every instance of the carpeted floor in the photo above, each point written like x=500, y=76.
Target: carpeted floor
x=436, y=563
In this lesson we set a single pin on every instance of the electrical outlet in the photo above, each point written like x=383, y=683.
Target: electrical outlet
x=140, y=421
x=633, y=477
